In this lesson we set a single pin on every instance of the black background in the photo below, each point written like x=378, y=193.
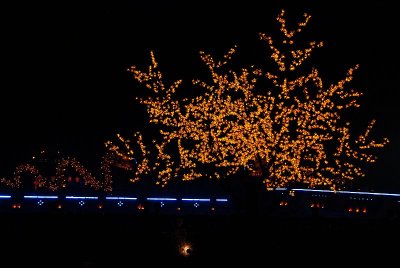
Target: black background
x=64, y=83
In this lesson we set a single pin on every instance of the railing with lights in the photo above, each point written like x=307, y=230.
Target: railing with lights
x=337, y=203
x=112, y=203
x=287, y=200
x=340, y=192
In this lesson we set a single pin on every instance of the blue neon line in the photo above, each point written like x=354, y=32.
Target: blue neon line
x=368, y=193
x=196, y=199
x=120, y=198
x=40, y=196
x=221, y=200
x=5, y=196
x=313, y=190
x=346, y=192
x=160, y=199
x=81, y=197
x=281, y=189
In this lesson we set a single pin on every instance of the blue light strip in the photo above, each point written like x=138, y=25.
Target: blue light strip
x=347, y=192
x=81, y=197
x=160, y=199
x=40, y=196
x=313, y=190
x=5, y=196
x=196, y=199
x=281, y=189
x=221, y=200
x=369, y=193
x=120, y=198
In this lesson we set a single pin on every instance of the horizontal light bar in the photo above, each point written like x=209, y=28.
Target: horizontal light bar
x=368, y=193
x=221, y=200
x=160, y=199
x=196, y=199
x=346, y=192
x=81, y=197
x=120, y=198
x=5, y=196
x=40, y=196
x=313, y=190
x=281, y=189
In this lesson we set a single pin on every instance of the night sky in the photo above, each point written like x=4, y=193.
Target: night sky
x=64, y=84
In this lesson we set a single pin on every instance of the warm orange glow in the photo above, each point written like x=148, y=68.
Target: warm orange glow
x=63, y=167
x=364, y=210
x=289, y=132
x=16, y=206
x=185, y=249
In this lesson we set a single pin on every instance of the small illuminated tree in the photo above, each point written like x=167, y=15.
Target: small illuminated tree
x=292, y=130
x=64, y=167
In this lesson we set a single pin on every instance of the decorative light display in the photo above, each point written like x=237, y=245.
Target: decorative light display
x=126, y=154
x=63, y=169
x=16, y=181
x=291, y=132
x=87, y=177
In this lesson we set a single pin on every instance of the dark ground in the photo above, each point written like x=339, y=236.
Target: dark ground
x=132, y=241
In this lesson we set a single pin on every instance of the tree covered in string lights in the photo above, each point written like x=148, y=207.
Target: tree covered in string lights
x=291, y=132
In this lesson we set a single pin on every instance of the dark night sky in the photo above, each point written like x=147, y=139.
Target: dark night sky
x=64, y=83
